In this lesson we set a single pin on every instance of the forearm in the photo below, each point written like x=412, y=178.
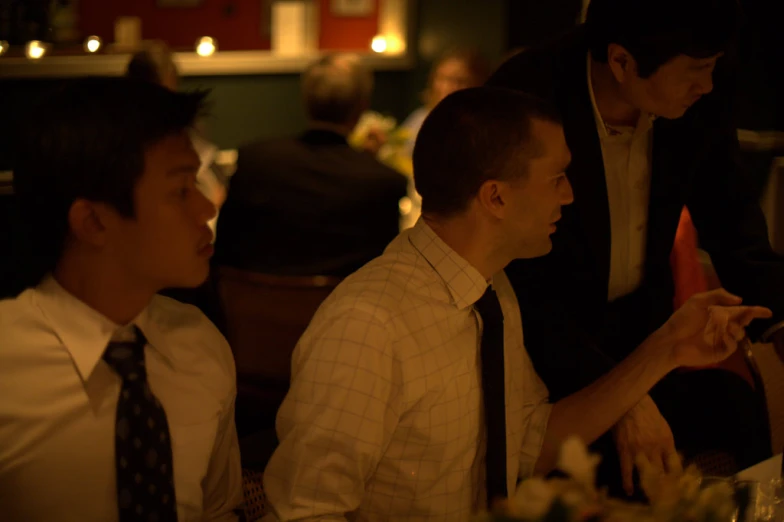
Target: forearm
x=593, y=410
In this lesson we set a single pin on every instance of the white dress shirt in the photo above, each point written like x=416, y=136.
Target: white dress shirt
x=58, y=402
x=384, y=418
x=626, y=152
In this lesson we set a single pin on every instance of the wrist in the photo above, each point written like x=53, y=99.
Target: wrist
x=661, y=347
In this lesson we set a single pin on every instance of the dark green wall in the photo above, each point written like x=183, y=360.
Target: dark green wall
x=244, y=108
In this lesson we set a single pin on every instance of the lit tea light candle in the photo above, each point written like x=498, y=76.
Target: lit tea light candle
x=206, y=46
x=35, y=49
x=379, y=44
x=92, y=44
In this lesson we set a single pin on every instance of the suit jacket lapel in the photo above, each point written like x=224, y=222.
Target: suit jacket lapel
x=586, y=172
x=666, y=198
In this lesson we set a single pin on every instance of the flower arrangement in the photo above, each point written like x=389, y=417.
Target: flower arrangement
x=680, y=496
x=382, y=136
x=387, y=140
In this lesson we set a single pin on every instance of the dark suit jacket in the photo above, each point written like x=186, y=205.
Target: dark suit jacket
x=310, y=205
x=571, y=333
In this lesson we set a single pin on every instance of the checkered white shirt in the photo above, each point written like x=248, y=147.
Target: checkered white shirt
x=384, y=417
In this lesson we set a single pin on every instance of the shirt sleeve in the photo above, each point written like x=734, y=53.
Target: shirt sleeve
x=338, y=417
x=536, y=429
x=223, y=495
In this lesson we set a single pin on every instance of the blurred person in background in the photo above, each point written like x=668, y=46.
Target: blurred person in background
x=116, y=403
x=312, y=204
x=644, y=93
x=154, y=63
x=454, y=70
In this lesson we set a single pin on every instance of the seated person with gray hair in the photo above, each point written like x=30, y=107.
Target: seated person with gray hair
x=312, y=204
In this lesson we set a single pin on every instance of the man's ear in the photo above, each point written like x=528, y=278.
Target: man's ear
x=87, y=221
x=492, y=197
x=621, y=62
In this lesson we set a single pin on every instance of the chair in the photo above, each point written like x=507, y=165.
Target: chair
x=265, y=315
x=255, y=505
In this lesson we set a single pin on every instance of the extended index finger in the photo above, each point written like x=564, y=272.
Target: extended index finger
x=744, y=315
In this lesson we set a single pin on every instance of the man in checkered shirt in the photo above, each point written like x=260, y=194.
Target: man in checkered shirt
x=384, y=418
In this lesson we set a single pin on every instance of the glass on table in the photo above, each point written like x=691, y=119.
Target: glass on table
x=766, y=500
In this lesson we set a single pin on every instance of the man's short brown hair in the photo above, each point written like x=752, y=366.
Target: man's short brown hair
x=472, y=136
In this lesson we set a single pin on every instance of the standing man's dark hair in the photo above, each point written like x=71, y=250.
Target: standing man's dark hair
x=88, y=141
x=457, y=148
x=656, y=31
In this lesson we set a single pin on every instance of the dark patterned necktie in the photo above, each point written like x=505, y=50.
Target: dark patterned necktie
x=143, y=456
x=493, y=393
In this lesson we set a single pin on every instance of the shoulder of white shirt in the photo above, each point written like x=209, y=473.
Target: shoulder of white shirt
x=172, y=318
x=183, y=327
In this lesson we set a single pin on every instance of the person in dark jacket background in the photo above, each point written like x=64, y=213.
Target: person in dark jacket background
x=313, y=205
x=648, y=133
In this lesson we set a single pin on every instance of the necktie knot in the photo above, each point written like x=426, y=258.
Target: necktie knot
x=489, y=307
x=126, y=358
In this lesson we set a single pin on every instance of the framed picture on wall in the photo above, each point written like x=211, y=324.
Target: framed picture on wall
x=352, y=7
x=178, y=3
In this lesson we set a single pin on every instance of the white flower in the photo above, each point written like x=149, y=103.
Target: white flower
x=532, y=500
x=371, y=120
x=575, y=461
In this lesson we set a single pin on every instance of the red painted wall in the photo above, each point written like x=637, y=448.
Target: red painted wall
x=180, y=27
x=236, y=24
x=346, y=33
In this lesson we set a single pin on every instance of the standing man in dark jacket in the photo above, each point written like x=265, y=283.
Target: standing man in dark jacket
x=648, y=133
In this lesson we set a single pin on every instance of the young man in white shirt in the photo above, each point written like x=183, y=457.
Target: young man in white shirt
x=412, y=395
x=115, y=403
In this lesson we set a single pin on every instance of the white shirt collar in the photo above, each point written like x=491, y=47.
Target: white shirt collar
x=84, y=331
x=464, y=282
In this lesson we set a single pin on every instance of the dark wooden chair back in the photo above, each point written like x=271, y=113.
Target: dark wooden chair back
x=265, y=315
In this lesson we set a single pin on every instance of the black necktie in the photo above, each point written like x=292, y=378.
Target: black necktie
x=493, y=393
x=143, y=456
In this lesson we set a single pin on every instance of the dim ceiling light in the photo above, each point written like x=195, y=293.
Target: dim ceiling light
x=379, y=44
x=206, y=46
x=92, y=44
x=3, y=47
x=35, y=49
